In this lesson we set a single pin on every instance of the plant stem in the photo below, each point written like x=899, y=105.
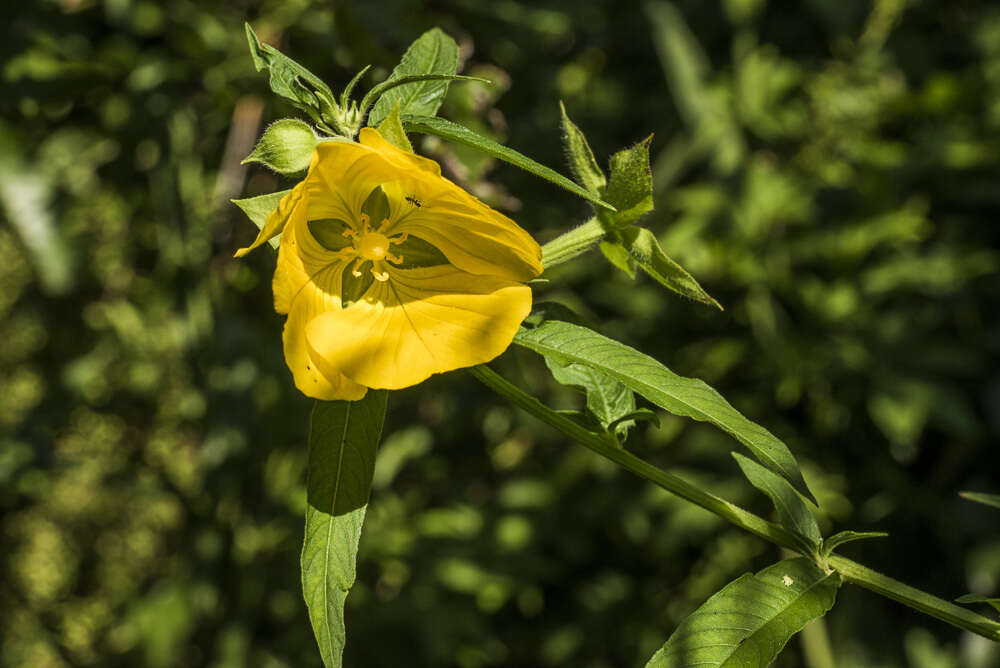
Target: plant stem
x=918, y=600
x=575, y=242
x=849, y=570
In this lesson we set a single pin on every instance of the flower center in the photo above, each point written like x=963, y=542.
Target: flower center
x=372, y=246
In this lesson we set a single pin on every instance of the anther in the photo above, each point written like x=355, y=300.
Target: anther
x=399, y=239
x=381, y=276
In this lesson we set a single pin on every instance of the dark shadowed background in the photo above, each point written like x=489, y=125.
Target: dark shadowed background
x=829, y=170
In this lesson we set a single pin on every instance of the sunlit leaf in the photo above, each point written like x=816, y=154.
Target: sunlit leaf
x=462, y=135
x=687, y=397
x=434, y=52
x=581, y=159
x=749, y=622
x=343, y=438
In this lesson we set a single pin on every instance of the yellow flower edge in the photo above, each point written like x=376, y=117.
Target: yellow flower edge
x=436, y=284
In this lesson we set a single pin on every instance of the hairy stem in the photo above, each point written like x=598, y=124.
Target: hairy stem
x=849, y=570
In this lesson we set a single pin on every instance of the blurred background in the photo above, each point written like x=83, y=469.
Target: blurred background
x=829, y=170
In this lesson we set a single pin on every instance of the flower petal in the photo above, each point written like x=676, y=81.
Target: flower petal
x=473, y=237
x=419, y=322
x=313, y=380
x=301, y=257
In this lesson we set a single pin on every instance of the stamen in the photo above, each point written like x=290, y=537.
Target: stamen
x=356, y=267
x=395, y=259
x=381, y=276
x=366, y=223
x=384, y=224
x=349, y=233
x=399, y=239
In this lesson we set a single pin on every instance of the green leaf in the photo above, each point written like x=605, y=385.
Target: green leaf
x=389, y=84
x=343, y=438
x=432, y=53
x=259, y=208
x=794, y=513
x=581, y=159
x=748, y=623
x=686, y=397
x=292, y=81
x=391, y=129
x=619, y=256
x=838, y=539
x=286, y=147
x=462, y=135
x=608, y=400
x=630, y=188
x=979, y=497
x=976, y=598
x=644, y=248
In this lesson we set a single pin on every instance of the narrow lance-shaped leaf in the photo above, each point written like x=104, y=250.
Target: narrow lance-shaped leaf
x=977, y=598
x=286, y=147
x=434, y=52
x=462, y=135
x=291, y=80
x=749, y=622
x=259, y=208
x=793, y=511
x=343, y=438
x=581, y=159
x=687, y=397
x=642, y=245
x=980, y=497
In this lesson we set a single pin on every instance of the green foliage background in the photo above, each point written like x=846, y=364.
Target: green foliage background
x=828, y=170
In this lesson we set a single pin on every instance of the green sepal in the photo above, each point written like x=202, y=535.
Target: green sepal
x=286, y=147
x=345, y=95
x=630, y=187
x=619, y=256
x=581, y=159
x=259, y=208
x=292, y=81
x=644, y=248
x=434, y=52
x=391, y=129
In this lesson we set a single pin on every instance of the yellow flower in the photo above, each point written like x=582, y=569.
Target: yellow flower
x=389, y=272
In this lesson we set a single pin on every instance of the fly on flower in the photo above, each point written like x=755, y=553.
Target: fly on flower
x=380, y=292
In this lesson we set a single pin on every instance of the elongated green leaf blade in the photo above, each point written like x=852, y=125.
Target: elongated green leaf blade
x=343, y=438
x=292, y=81
x=608, y=400
x=389, y=84
x=687, y=397
x=644, y=248
x=445, y=129
x=749, y=622
x=581, y=159
x=793, y=511
x=259, y=208
x=980, y=497
x=286, y=147
x=432, y=53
